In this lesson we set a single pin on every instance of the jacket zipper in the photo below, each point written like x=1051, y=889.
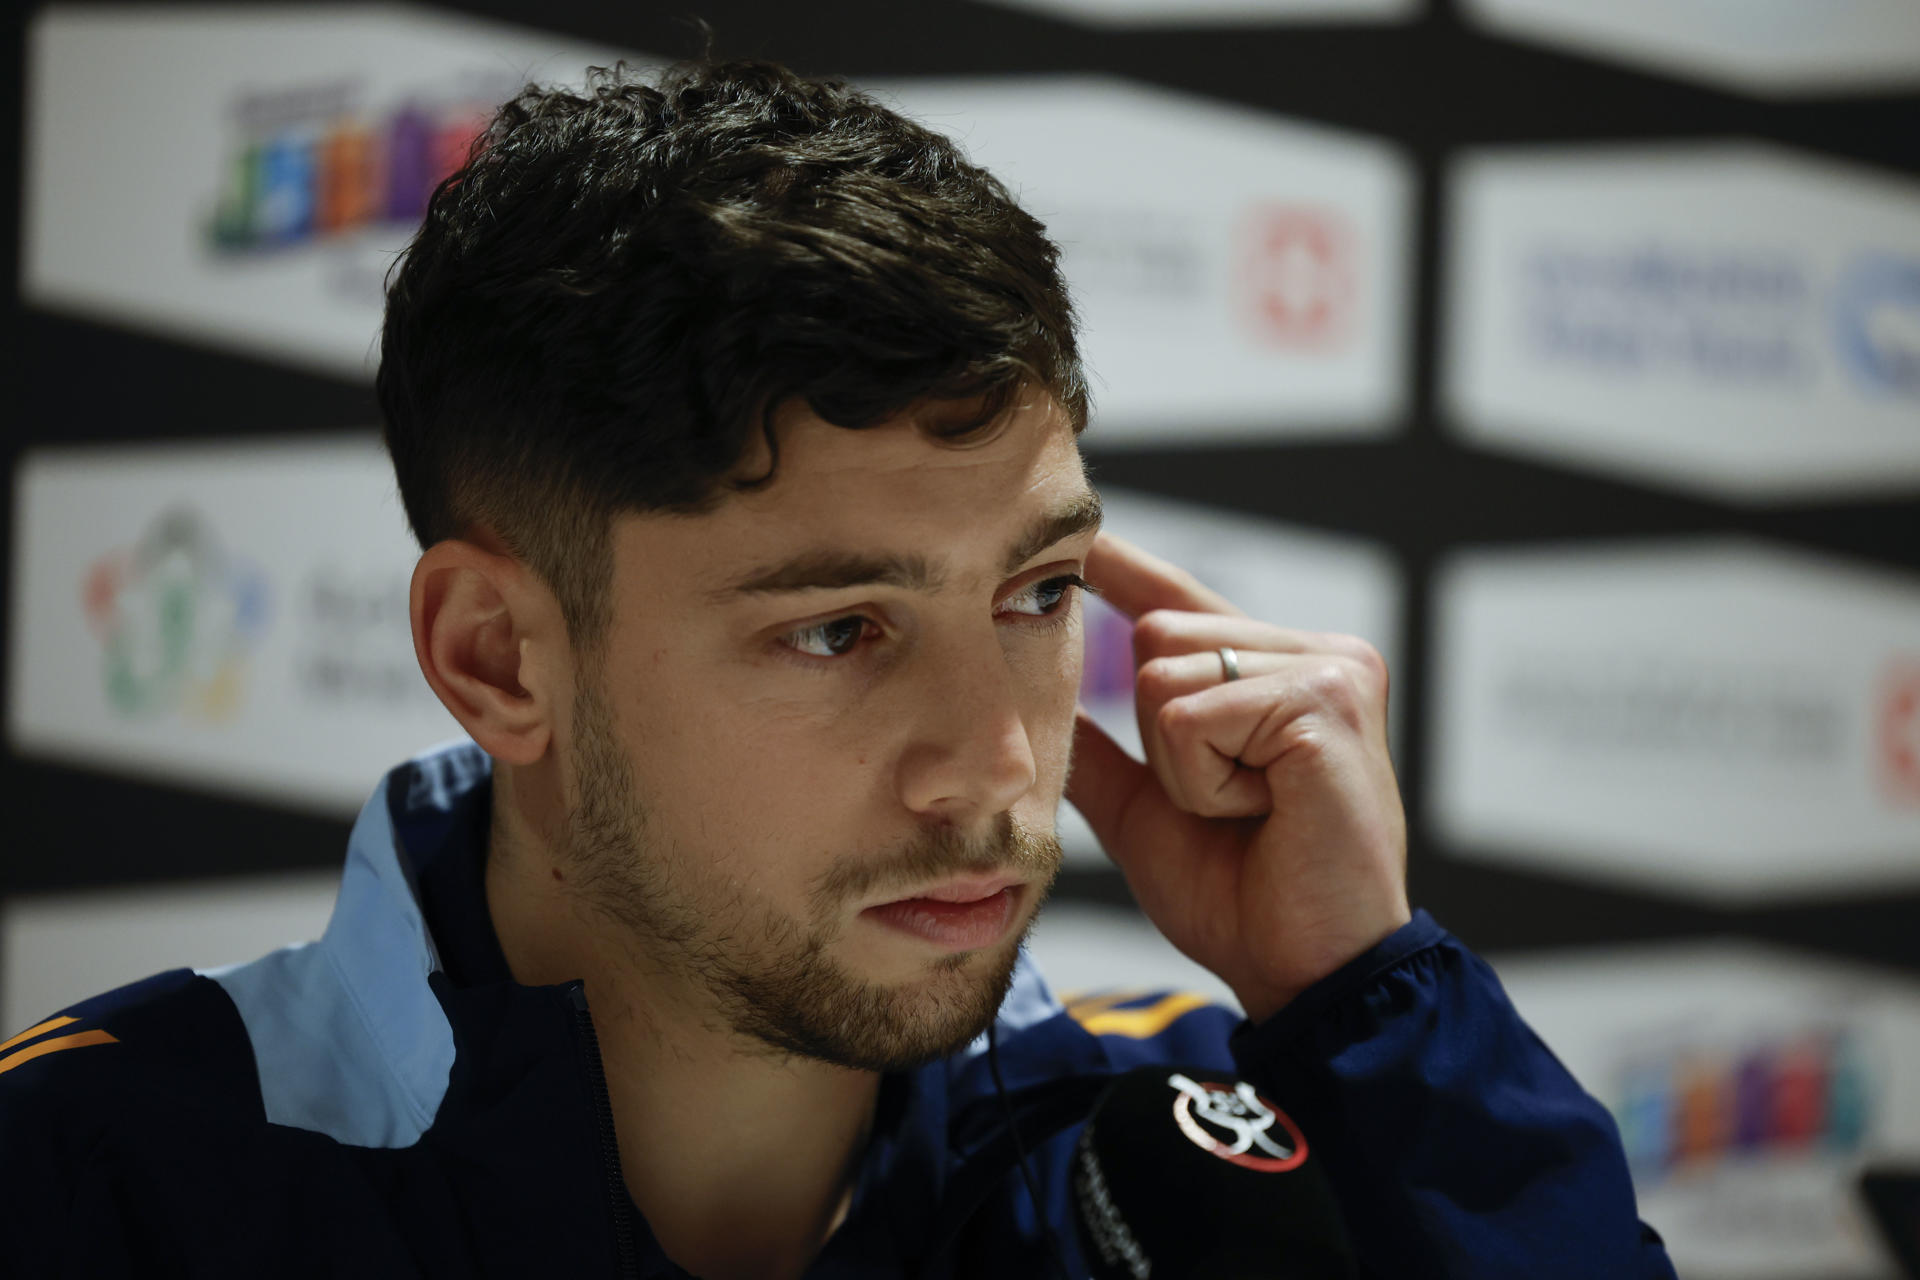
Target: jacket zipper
x=618, y=1202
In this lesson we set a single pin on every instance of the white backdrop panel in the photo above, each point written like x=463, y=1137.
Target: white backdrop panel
x=1776, y=47
x=1728, y=318
x=1750, y=1084
x=1239, y=275
x=1194, y=13
x=244, y=176
x=59, y=949
x=229, y=616
x=1723, y=719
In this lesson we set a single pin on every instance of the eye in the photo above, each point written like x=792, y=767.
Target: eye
x=835, y=638
x=1044, y=597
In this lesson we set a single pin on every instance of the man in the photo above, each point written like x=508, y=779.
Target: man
x=737, y=418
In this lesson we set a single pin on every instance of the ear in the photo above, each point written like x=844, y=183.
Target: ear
x=492, y=642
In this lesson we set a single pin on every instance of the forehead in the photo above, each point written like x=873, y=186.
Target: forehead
x=890, y=486
x=1033, y=445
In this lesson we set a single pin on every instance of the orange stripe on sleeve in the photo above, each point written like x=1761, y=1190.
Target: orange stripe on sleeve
x=55, y=1045
x=1081, y=1007
x=1137, y=1024
x=49, y=1025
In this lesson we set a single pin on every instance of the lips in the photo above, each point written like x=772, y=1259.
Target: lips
x=972, y=889
x=960, y=915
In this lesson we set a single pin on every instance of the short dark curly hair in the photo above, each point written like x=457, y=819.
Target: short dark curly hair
x=623, y=284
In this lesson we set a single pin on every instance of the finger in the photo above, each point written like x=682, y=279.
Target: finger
x=1168, y=631
x=1347, y=687
x=1160, y=680
x=1210, y=780
x=1104, y=780
x=1183, y=739
x=1136, y=582
x=1213, y=746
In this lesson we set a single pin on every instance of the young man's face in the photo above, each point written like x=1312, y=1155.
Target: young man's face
x=827, y=702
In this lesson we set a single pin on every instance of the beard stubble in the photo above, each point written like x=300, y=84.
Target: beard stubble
x=771, y=977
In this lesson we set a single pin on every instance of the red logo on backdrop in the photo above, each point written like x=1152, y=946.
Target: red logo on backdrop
x=1900, y=731
x=1236, y=1124
x=1297, y=267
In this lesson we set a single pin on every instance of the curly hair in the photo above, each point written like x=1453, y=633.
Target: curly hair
x=622, y=285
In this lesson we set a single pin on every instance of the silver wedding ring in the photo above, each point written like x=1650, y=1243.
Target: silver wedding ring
x=1229, y=663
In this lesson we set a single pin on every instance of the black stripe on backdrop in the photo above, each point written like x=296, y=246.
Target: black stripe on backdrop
x=1433, y=86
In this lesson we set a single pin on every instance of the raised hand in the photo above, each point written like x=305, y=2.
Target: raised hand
x=1264, y=835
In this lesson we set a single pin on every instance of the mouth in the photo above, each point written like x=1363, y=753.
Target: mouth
x=957, y=915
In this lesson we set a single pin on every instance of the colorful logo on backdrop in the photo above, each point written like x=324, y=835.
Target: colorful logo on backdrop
x=309, y=164
x=1877, y=322
x=177, y=617
x=1297, y=268
x=1699, y=1109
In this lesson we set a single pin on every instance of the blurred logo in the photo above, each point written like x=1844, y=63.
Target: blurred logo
x=1298, y=273
x=1877, y=322
x=1899, y=732
x=176, y=617
x=1289, y=270
x=1659, y=310
x=308, y=164
x=1699, y=1108
x=353, y=645
x=1132, y=255
x=1637, y=705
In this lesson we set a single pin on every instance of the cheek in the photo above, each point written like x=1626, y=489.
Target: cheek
x=754, y=781
x=1053, y=688
x=699, y=764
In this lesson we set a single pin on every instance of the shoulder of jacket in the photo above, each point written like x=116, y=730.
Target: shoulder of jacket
x=172, y=1042
x=126, y=1121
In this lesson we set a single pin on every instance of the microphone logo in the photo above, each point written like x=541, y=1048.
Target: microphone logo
x=1236, y=1124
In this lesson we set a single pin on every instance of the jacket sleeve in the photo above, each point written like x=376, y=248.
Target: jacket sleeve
x=1457, y=1144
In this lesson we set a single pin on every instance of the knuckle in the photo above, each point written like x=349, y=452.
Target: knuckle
x=1158, y=680
x=1339, y=686
x=1178, y=721
x=1359, y=651
x=1368, y=658
x=1301, y=740
x=1157, y=634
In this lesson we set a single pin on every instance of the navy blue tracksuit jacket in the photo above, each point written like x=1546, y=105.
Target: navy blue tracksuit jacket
x=388, y=1102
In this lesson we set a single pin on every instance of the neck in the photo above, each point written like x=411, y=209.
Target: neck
x=697, y=1106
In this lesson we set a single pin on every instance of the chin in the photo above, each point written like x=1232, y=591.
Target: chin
x=895, y=1026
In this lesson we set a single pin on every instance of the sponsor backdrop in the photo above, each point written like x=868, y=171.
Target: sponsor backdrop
x=1568, y=352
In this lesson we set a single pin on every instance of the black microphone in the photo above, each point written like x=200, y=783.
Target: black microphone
x=1185, y=1173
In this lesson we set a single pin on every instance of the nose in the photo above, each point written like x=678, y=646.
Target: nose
x=971, y=756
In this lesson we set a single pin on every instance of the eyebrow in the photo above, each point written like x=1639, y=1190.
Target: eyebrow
x=838, y=570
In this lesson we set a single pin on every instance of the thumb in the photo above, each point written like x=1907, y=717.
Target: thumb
x=1104, y=779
